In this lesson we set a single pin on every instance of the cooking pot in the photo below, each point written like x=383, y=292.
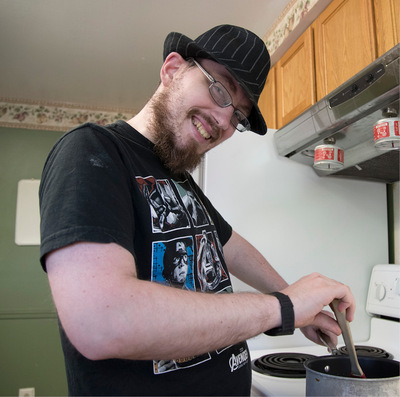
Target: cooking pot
x=330, y=376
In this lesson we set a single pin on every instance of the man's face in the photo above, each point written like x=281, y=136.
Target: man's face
x=181, y=263
x=181, y=268
x=187, y=122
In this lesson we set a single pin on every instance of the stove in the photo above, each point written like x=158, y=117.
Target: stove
x=281, y=372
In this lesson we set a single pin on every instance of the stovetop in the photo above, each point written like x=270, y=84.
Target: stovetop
x=384, y=341
x=287, y=375
x=291, y=364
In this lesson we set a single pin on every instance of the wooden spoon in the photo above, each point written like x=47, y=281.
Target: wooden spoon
x=356, y=370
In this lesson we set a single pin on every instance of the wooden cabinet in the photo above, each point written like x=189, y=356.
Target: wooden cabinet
x=344, y=39
x=344, y=42
x=267, y=102
x=387, y=14
x=295, y=81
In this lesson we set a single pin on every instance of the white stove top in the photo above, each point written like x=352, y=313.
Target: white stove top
x=384, y=334
x=383, y=298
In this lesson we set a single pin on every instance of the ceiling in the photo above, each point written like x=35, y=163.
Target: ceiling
x=105, y=53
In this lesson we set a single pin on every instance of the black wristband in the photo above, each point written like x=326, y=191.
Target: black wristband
x=287, y=313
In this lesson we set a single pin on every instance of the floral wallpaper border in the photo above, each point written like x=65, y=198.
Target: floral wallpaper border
x=289, y=19
x=54, y=117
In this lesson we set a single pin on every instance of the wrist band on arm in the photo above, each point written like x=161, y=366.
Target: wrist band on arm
x=287, y=314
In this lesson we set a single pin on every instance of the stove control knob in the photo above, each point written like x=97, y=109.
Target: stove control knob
x=380, y=292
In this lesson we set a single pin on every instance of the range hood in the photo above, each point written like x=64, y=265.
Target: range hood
x=347, y=116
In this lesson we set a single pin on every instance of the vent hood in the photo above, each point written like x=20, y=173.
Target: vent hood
x=347, y=116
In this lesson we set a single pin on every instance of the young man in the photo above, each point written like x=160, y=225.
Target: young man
x=114, y=200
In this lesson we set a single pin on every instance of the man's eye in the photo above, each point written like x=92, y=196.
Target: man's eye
x=218, y=90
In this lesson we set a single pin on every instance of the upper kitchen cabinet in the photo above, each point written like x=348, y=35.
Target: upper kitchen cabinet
x=387, y=14
x=344, y=42
x=295, y=79
x=267, y=102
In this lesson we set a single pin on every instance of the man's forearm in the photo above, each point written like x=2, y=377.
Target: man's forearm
x=108, y=313
x=246, y=263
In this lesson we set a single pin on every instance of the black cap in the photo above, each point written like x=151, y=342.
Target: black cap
x=242, y=53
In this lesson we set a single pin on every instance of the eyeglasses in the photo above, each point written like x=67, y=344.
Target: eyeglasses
x=222, y=98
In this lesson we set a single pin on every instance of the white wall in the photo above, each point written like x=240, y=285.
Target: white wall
x=300, y=222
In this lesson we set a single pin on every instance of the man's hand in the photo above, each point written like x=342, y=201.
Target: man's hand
x=310, y=331
x=310, y=295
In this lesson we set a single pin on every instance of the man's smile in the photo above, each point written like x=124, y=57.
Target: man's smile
x=201, y=128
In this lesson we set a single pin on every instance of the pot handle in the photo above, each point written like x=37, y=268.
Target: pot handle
x=326, y=340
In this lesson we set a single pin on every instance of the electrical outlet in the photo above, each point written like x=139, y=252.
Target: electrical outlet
x=26, y=392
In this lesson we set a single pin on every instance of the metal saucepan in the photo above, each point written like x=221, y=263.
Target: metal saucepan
x=331, y=376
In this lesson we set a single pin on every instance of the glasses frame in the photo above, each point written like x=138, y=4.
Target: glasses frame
x=238, y=119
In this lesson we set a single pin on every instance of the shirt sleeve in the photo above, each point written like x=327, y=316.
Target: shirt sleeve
x=85, y=192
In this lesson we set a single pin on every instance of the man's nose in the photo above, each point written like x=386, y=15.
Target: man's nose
x=223, y=117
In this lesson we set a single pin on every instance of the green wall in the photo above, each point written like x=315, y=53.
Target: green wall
x=30, y=349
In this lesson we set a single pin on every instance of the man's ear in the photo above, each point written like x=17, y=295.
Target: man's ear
x=173, y=62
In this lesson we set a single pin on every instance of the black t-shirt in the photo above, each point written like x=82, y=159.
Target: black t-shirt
x=105, y=184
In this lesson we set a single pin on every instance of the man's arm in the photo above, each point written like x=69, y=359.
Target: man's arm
x=107, y=312
x=247, y=264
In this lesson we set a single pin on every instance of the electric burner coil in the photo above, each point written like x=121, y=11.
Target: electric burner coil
x=282, y=365
x=368, y=351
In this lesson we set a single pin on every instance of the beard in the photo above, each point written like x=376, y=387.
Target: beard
x=164, y=124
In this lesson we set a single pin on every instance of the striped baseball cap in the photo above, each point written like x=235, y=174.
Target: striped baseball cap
x=242, y=53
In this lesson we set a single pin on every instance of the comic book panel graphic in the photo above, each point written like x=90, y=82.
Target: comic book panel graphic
x=164, y=366
x=193, y=205
x=166, y=211
x=172, y=263
x=218, y=241
x=210, y=271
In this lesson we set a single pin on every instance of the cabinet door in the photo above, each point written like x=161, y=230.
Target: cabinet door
x=344, y=43
x=267, y=100
x=387, y=13
x=295, y=79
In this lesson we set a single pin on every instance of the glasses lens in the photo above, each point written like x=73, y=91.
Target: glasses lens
x=222, y=98
x=240, y=121
x=220, y=95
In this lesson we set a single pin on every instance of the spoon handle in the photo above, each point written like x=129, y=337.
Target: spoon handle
x=348, y=340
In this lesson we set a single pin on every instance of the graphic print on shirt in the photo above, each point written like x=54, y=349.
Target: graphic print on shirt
x=189, y=262
x=239, y=360
x=166, y=211
x=163, y=366
x=210, y=271
x=193, y=205
x=172, y=263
